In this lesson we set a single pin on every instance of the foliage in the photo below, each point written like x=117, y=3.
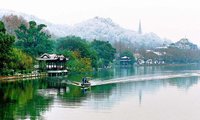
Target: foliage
x=33, y=39
x=99, y=53
x=148, y=54
x=105, y=51
x=76, y=44
x=175, y=55
x=6, y=42
x=2, y=27
x=12, y=22
x=20, y=60
x=11, y=58
x=77, y=63
x=121, y=46
x=22, y=101
x=73, y=43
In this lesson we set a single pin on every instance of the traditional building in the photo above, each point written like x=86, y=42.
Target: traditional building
x=125, y=60
x=54, y=65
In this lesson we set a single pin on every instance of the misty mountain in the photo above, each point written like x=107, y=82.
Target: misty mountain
x=97, y=28
x=55, y=29
x=106, y=29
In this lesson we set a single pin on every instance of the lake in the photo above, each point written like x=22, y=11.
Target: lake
x=170, y=92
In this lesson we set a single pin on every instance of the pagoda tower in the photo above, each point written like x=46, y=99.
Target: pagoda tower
x=140, y=28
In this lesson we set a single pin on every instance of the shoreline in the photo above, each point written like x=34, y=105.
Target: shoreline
x=29, y=76
x=22, y=76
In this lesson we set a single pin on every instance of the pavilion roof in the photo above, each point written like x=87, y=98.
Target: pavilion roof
x=47, y=57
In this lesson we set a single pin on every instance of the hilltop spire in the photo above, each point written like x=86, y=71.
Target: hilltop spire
x=140, y=28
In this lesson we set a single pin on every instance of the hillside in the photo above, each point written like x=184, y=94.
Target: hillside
x=97, y=28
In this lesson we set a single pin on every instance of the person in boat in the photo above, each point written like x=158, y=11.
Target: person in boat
x=84, y=80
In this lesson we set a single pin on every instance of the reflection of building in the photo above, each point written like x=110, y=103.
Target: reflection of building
x=53, y=64
x=140, y=97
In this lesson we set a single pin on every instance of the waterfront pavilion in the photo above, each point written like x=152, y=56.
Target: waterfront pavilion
x=53, y=64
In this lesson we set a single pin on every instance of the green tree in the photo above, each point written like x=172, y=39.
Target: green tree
x=26, y=102
x=105, y=51
x=6, y=42
x=20, y=60
x=77, y=63
x=2, y=27
x=73, y=43
x=33, y=39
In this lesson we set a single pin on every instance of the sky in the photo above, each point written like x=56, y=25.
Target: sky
x=172, y=19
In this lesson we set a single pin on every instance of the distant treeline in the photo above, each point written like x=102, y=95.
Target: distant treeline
x=172, y=55
x=176, y=55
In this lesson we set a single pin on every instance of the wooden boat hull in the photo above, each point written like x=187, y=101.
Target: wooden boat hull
x=85, y=84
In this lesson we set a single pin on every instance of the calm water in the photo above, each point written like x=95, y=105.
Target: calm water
x=173, y=98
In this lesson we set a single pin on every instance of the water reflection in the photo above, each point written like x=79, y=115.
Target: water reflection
x=117, y=71
x=101, y=97
x=183, y=83
x=19, y=100
x=32, y=99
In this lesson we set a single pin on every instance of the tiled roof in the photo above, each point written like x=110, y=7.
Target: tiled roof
x=47, y=56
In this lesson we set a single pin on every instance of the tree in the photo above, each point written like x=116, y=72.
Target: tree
x=25, y=100
x=73, y=43
x=33, y=39
x=12, y=22
x=78, y=64
x=105, y=51
x=20, y=60
x=121, y=46
x=2, y=27
x=176, y=55
x=6, y=42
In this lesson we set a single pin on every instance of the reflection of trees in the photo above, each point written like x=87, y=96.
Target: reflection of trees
x=66, y=93
x=104, y=74
x=143, y=70
x=19, y=100
x=73, y=97
x=123, y=71
x=106, y=95
x=114, y=72
x=101, y=92
x=183, y=82
x=35, y=107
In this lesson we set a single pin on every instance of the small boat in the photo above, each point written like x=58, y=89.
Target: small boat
x=88, y=84
x=85, y=83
